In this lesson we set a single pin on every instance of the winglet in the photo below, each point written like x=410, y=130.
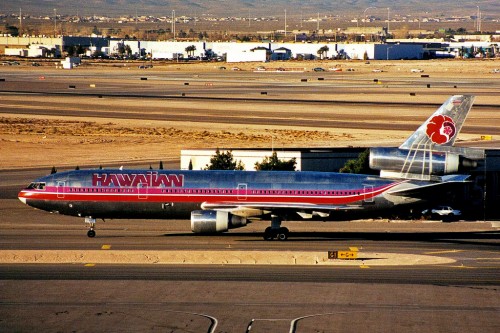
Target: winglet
x=442, y=128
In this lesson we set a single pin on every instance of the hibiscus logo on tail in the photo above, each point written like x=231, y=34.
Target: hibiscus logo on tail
x=441, y=129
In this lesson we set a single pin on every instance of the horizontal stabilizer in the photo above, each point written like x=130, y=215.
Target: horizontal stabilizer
x=432, y=190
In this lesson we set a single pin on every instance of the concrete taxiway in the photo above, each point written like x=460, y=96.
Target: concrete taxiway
x=453, y=283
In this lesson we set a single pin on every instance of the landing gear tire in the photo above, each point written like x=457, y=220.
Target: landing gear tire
x=283, y=234
x=269, y=234
x=91, y=233
x=278, y=234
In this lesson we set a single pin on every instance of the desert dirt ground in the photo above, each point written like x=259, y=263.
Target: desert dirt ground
x=31, y=140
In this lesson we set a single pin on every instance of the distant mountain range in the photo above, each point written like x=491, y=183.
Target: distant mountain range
x=253, y=8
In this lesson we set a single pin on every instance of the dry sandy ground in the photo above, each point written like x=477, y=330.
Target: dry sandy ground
x=48, y=141
x=28, y=141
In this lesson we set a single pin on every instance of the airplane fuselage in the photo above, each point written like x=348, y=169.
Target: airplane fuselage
x=175, y=193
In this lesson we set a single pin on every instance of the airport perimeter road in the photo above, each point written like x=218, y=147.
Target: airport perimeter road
x=92, y=296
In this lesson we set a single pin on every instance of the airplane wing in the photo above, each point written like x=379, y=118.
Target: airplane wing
x=250, y=209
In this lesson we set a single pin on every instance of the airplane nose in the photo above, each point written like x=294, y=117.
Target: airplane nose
x=21, y=197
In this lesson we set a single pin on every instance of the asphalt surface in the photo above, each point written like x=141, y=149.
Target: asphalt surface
x=230, y=298
x=462, y=296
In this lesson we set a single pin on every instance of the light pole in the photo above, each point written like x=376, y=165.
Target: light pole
x=388, y=19
x=285, y=23
x=173, y=24
x=387, y=54
x=55, y=22
x=364, y=14
x=478, y=20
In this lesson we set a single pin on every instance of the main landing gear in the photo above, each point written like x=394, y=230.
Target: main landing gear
x=275, y=231
x=91, y=224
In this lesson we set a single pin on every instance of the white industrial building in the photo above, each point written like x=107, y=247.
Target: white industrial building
x=200, y=158
x=308, y=159
x=256, y=52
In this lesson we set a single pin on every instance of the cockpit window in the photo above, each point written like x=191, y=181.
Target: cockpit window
x=36, y=186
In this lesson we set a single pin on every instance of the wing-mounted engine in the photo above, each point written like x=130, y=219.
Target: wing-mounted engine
x=418, y=164
x=212, y=221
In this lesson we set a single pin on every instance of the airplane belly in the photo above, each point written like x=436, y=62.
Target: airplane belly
x=117, y=210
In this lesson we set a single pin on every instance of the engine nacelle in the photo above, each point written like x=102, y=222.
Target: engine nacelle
x=417, y=161
x=211, y=221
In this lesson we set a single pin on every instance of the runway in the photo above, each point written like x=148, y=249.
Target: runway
x=462, y=295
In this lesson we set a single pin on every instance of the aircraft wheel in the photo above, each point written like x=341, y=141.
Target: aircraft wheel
x=91, y=233
x=268, y=234
x=283, y=234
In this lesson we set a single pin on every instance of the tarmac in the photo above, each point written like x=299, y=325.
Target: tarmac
x=229, y=257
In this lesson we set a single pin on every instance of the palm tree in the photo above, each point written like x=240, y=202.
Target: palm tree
x=190, y=50
x=323, y=50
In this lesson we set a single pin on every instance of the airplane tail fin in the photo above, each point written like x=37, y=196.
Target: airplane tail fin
x=442, y=128
x=429, y=153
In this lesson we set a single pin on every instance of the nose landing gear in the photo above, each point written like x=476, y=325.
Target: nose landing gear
x=91, y=225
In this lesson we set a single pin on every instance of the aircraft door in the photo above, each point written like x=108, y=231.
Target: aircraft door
x=142, y=191
x=61, y=186
x=242, y=191
x=367, y=191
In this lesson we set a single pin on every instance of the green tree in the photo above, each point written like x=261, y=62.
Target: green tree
x=361, y=165
x=128, y=50
x=121, y=49
x=224, y=161
x=80, y=50
x=323, y=51
x=273, y=163
x=190, y=50
x=71, y=50
x=12, y=30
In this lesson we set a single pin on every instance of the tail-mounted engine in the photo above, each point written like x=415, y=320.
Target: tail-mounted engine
x=212, y=221
x=421, y=164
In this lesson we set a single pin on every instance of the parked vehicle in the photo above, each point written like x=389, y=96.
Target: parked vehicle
x=318, y=69
x=445, y=213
